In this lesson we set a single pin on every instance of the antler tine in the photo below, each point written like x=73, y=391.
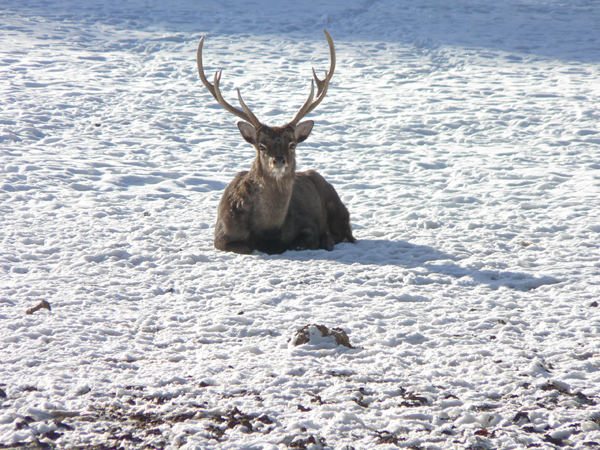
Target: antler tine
x=205, y=82
x=322, y=85
x=246, y=114
x=304, y=109
x=253, y=120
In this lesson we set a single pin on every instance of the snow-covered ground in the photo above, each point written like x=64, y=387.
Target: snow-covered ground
x=463, y=136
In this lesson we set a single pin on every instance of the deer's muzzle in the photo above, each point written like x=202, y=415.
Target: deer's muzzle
x=278, y=165
x=278, y=161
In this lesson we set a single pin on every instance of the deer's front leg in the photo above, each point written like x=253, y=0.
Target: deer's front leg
x=232, y=232
x=233, y=246
x=231, y=242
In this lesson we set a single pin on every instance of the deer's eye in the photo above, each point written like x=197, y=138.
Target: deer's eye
x=262, y=147
x=292, y=146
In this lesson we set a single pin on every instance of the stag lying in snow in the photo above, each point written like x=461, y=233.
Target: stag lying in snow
x=272, y=208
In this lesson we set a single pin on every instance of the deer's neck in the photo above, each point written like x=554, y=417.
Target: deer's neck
x=273, y=199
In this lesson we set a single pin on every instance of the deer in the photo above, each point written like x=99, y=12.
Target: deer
x=273, y=208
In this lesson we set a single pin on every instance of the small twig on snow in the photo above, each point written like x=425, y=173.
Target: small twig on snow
x=42, y=305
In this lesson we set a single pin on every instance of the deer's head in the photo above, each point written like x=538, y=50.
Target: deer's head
x=275, y=146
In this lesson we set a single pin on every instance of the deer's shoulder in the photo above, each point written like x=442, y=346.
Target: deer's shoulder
x=240, y=191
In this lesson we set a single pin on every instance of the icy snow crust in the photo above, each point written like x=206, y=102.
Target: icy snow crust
x=463, y=137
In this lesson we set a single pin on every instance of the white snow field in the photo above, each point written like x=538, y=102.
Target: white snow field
x=464, y=139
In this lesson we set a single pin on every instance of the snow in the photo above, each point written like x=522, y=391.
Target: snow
x=463, y=138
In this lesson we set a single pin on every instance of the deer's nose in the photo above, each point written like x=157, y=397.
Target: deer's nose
x=278, y=160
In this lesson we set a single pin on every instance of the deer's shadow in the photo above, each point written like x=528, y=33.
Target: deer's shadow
x=383, y=252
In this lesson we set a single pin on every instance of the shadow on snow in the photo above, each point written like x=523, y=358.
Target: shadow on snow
x=383, y=252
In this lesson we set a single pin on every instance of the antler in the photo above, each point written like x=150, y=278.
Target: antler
x=245, y=112
x=322, y=86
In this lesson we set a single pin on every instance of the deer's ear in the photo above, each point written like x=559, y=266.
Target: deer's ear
x=248, y=132
x=303, y=129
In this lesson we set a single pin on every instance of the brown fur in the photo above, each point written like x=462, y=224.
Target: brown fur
x=261, y=210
